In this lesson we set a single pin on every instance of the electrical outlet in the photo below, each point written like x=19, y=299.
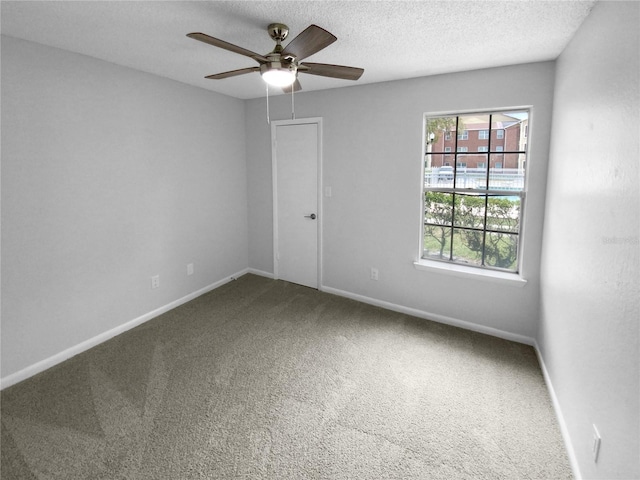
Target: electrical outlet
x=595, y=446
x=155, y=281
x=374, y=273
x=189, y=268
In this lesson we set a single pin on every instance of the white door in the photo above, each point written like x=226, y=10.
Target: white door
x=296, y=162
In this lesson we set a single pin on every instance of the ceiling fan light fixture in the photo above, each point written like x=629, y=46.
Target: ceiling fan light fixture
x=279, y=76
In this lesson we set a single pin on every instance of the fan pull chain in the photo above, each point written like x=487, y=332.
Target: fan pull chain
x=268, y=120
x=293, y=107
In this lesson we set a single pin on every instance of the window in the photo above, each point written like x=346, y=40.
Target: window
x=472, y=216
x=483, y=134
x=447, y=136
x=464, y=135
x=447, y=149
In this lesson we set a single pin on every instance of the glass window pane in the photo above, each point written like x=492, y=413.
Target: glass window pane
x=442, y=176
x=438, y=208
x=434, y=160
x=437, y=135
x=469, y=211
x=467, y=246
x=503, y=213
x=501, y=250
x=473, y=131
x=472, y=171
x=437, y=242
x=503, y=178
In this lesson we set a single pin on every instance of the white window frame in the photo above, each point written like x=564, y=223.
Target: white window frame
x=461, y=270
x=483, y=134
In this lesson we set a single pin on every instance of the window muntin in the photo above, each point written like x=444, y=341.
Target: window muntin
x=473, y=211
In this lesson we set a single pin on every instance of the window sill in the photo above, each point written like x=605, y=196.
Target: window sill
x=494, y=276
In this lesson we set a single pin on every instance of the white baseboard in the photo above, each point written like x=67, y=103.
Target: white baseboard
x=260, y=272
x=573, y=461
x=47, y=363
x=433, y=316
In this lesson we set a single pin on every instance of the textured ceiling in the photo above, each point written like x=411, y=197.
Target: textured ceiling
x=391, y=40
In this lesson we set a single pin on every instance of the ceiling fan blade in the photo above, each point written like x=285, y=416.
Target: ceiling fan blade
x=311, y=40
x=334, y=71
x=232, y=73
x=216, y=42
x=295, y=86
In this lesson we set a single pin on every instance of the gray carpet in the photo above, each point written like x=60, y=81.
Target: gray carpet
x=263, y=379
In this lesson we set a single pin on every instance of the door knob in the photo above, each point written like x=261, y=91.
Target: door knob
x=312, y=216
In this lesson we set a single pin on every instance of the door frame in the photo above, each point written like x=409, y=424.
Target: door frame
x=274, y=174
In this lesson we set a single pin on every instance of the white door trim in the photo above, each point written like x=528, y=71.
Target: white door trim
x=274, y=174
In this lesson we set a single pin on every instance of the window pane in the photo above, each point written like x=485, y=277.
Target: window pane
x=436, y=135
x=503, y=213
x=434, y=160
x=469, y=211
x=437, y=242
x=503, y=178
x=501, y=250
x=441, y=176
x=472, y=171
x=467, y=246
x=438, y=208
x=474, y=131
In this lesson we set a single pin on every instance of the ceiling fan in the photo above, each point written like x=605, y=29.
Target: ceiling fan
x=281, y=66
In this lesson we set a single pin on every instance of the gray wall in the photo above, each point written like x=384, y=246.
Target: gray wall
x=372, y=161
x=109, y=176
x=590, y=265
